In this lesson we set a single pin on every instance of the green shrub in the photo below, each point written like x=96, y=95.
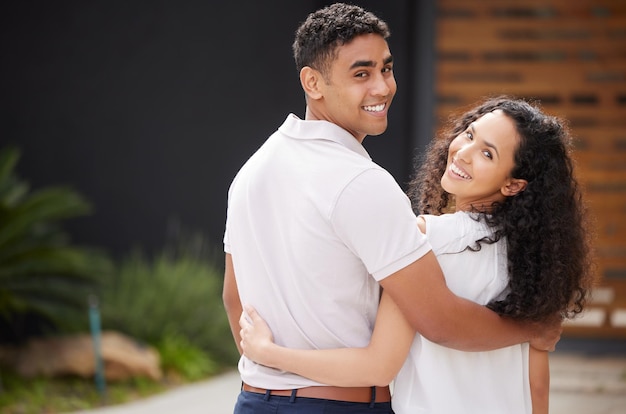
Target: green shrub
x=179, y=357
x=173, y=299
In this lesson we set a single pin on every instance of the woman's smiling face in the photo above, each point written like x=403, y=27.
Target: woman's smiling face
x=480, y=162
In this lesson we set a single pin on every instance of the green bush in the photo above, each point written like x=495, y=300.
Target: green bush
x=44, y=279
x=172, y=301
x=180, y=357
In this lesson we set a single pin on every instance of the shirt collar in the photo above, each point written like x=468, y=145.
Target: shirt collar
x=295, y=127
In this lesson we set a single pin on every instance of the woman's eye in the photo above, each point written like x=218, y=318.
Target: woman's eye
x=488, y=154
x=469, y=135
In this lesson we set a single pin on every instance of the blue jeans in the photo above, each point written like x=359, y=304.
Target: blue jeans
x=254, y=403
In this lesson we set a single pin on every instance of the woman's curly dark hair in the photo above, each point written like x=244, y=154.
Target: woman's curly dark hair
x=324, y=30
x=545, y=226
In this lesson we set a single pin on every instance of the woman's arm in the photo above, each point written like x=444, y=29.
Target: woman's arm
x=376, y=364
x=539, y=372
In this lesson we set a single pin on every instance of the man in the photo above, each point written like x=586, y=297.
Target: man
x=314, y=227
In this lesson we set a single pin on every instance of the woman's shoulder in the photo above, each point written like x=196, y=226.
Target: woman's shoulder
x=462, y=218
x=454, y=231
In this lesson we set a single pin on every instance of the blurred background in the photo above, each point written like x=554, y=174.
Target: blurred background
x=143, y=112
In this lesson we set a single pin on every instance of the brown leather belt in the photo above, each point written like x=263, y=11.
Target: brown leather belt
x=349, y=394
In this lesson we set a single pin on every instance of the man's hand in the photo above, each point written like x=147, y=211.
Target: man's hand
x=547, y=333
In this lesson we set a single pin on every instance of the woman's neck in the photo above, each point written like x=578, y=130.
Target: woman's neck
x=475, y=206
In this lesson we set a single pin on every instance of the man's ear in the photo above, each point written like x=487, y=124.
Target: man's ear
x=513, y=187
x=311, y=80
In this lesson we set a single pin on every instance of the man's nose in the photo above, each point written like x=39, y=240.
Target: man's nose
x=382, y=85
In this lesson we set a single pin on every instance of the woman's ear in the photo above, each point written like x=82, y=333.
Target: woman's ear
x=513, y=187
x=311, y=79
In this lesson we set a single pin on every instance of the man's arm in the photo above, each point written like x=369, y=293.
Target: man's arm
x=230, y=297
x=421, y=293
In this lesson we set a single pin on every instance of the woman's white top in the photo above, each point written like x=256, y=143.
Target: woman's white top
x=435, y=379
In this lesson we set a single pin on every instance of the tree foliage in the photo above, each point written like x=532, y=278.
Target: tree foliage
x=44, y=278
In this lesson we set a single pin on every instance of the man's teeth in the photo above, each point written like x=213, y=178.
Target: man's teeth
x=459, y=172
x=374, y=108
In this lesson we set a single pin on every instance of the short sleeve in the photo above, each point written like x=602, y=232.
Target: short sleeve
x=373, y=217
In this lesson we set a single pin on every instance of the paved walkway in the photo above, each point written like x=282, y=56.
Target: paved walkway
x=580, y=384
x=214, y=396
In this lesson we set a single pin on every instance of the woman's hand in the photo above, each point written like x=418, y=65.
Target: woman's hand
x=256, y=336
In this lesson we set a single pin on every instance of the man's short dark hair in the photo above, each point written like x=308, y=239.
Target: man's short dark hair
x=325, y=30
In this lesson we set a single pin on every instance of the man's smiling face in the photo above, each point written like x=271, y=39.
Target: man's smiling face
x=359, y=86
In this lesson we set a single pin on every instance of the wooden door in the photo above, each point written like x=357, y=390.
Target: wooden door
x=571, y=56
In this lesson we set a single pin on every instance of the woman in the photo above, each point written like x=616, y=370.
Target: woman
x=503, y=213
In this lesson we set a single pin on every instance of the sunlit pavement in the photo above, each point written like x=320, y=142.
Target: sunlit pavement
x=587, y=384
x=581, y=383
x=214, y=396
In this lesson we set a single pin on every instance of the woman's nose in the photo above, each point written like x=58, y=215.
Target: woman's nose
x=464, y=152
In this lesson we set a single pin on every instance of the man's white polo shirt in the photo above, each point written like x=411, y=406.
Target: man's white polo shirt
x=312, y=224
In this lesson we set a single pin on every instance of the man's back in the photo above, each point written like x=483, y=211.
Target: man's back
x=284, y=246
x=291, y=244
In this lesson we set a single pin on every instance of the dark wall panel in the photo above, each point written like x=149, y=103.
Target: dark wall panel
x=148, y=108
